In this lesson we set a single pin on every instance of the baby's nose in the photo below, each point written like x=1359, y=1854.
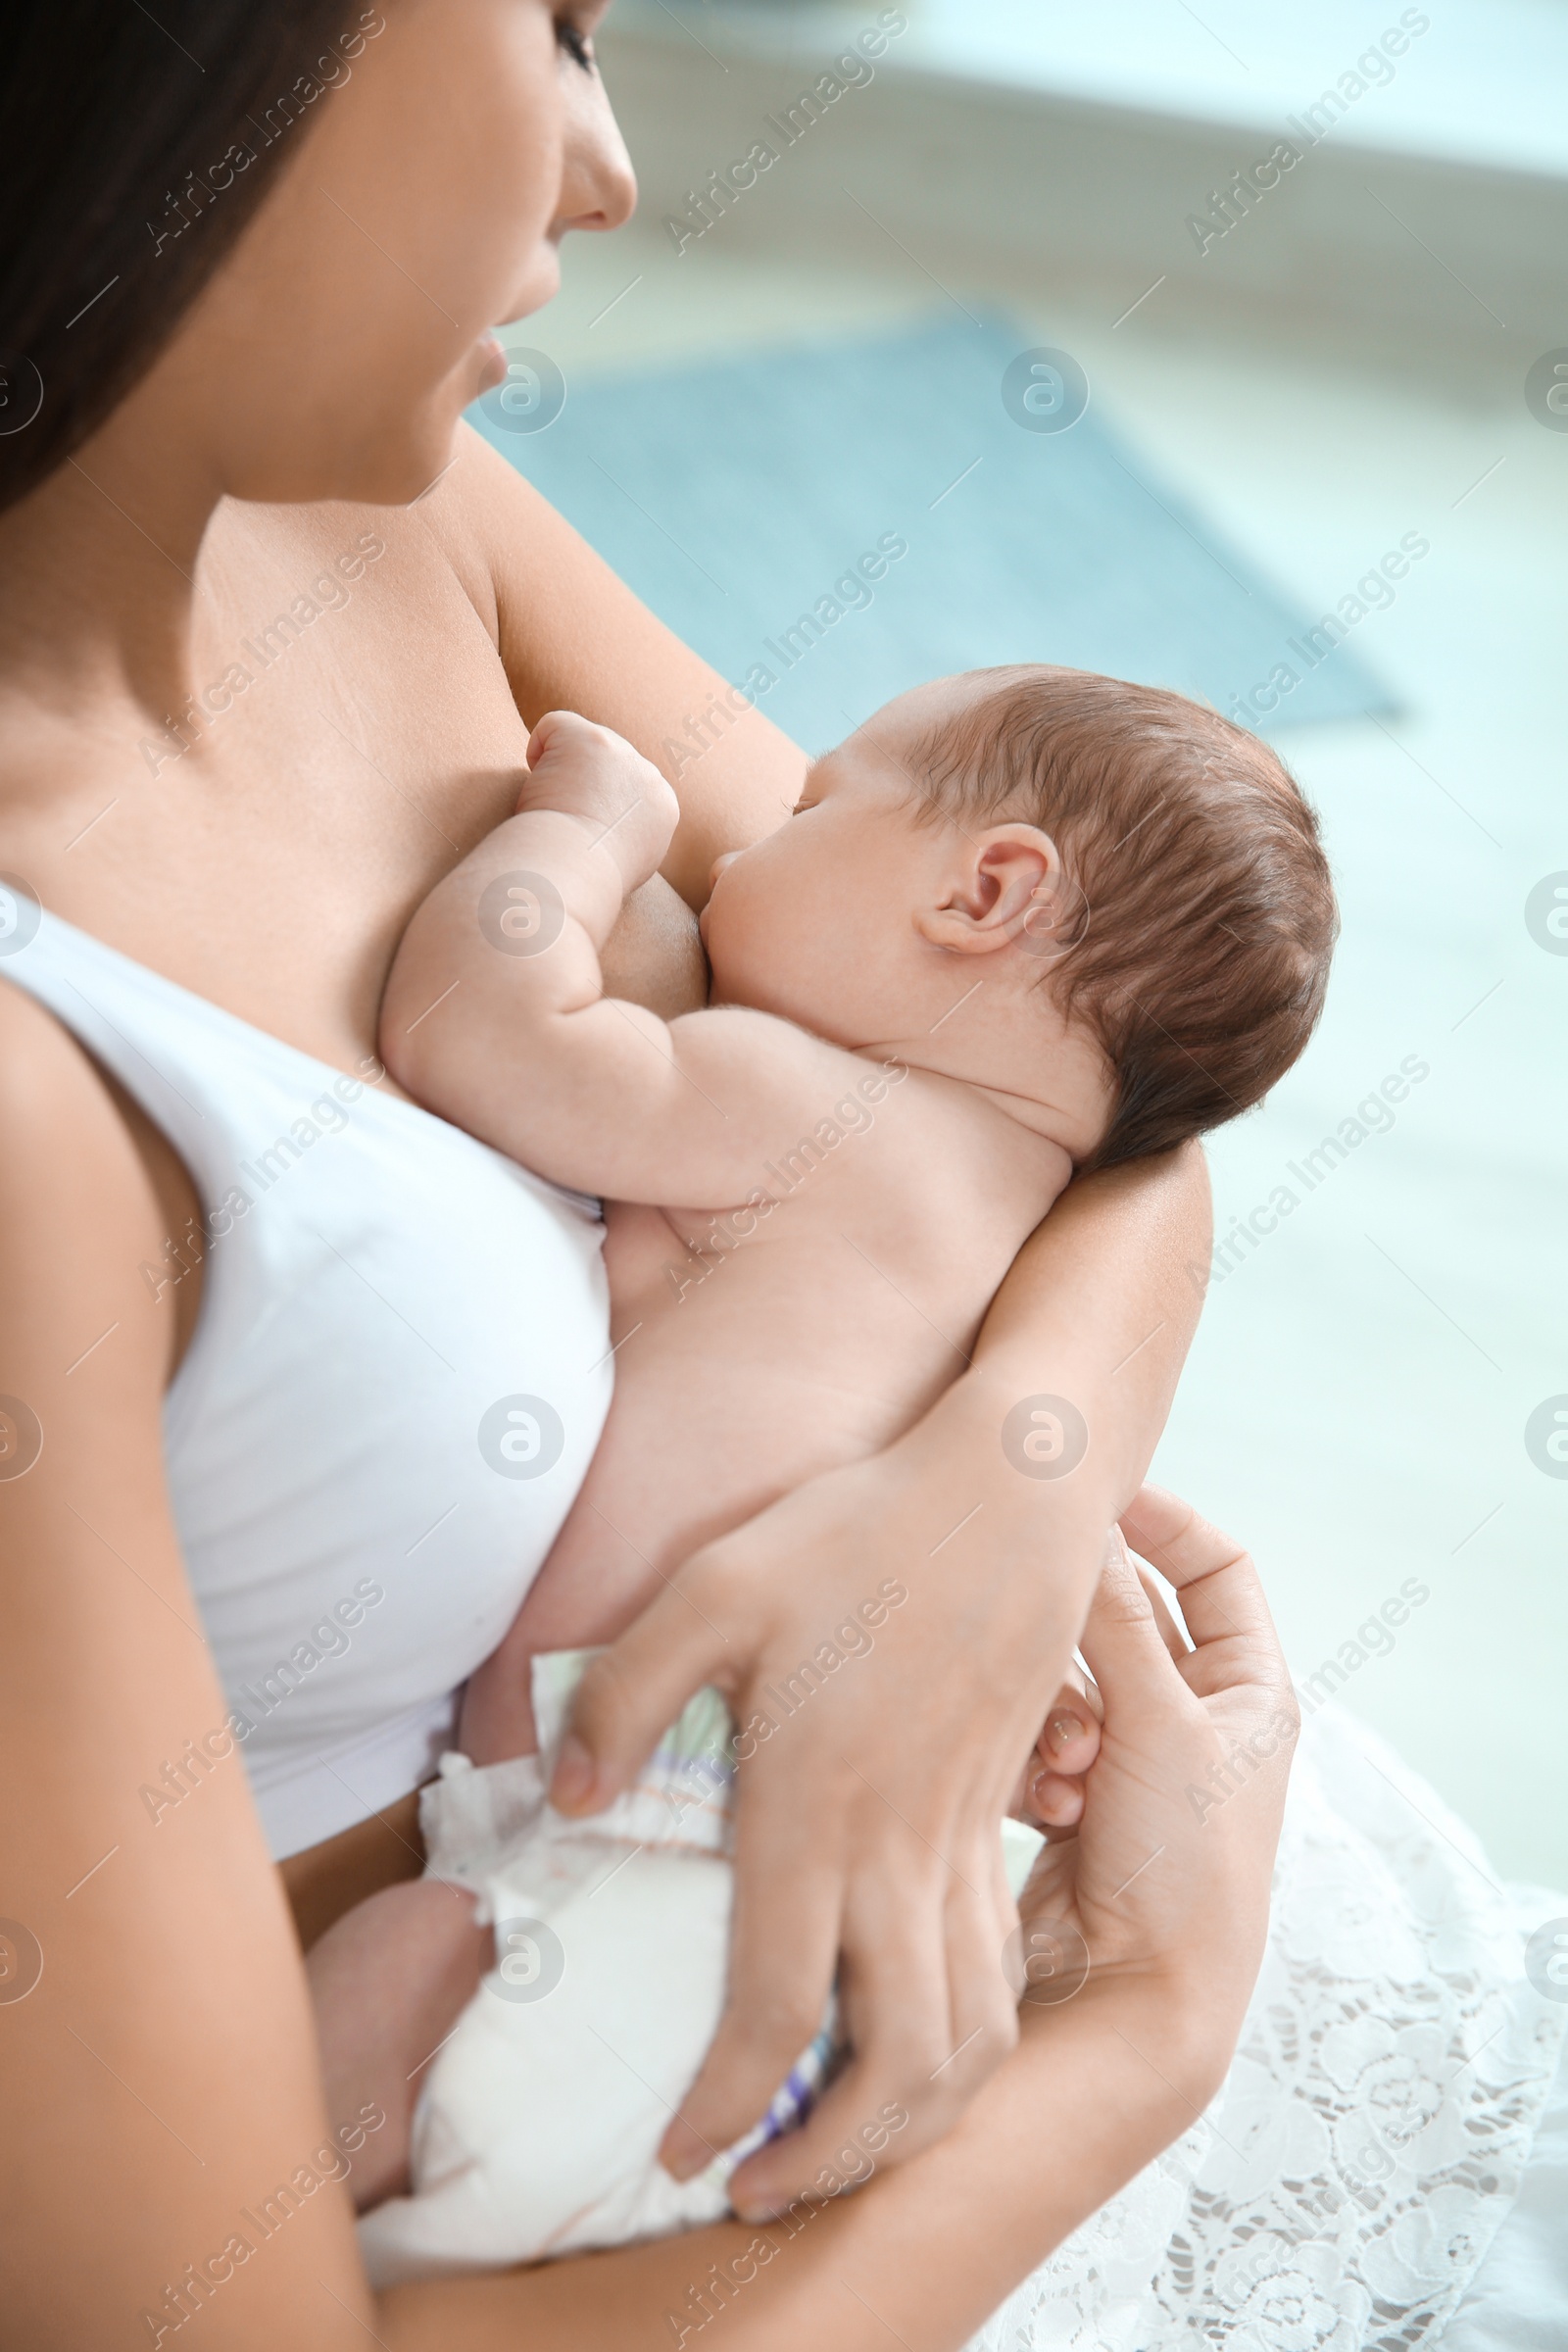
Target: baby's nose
x=719, y=864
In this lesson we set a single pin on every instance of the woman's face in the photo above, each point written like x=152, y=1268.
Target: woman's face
x=336, y=348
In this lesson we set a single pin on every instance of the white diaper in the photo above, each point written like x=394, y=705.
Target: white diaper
x=537, y=2129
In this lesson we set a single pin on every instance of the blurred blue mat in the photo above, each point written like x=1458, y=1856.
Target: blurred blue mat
x=733, y=495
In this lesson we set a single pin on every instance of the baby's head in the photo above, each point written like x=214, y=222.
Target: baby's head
x=1100, y=895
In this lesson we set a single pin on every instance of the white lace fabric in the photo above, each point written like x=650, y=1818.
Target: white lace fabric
x=1341, y=2191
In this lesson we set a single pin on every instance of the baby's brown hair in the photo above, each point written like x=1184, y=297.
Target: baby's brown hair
x=1200, y=952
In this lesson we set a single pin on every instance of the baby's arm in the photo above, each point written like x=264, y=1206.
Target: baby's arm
x=494, y=1013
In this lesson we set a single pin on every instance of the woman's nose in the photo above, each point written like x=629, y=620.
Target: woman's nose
x=599, y=187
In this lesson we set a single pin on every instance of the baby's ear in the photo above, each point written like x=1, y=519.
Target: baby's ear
x=997, y=883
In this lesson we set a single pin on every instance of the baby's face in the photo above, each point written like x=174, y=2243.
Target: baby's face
x=815, y=923
x=842, y=922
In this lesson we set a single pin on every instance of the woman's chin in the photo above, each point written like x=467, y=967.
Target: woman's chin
x=379, y=460
x=388, y=460
x=540, y=283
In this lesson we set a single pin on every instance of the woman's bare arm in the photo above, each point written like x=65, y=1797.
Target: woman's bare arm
x=160, y=2080
x=866, y=1827
x=573, y=637
x=1106, y=1295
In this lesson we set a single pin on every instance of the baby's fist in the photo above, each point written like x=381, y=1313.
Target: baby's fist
x=590, y=773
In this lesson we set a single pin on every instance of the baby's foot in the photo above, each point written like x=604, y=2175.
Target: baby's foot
x=1050, y=1793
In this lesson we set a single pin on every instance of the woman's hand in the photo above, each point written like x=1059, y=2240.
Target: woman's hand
x=891, y=1638
x=869, y=1790
x=1168, y=1889
x=1167, y=1875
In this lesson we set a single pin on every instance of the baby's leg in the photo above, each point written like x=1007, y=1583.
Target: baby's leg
x=496, y=1720
x=575, y=1603
x=389, y=1980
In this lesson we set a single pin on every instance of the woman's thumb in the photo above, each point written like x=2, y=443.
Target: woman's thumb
x=1121, y=1642
x=630, y=1694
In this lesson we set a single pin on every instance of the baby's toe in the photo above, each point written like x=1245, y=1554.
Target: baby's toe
x=1054, y=1802
x=1070, y=1739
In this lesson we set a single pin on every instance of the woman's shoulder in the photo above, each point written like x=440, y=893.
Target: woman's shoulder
x=68, y=1126
x=520, y=563
x=81, y=1209
x=47, y=1082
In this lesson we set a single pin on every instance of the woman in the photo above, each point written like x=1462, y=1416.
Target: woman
x=256, y=264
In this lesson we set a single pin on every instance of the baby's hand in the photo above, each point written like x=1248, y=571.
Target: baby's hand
x=589, y=773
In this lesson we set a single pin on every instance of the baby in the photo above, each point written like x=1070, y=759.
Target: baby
x=1023, y=924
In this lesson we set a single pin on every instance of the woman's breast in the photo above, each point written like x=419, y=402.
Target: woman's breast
x=397, y=1381
x=397, y=1375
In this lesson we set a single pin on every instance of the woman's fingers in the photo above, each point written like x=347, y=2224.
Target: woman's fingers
x=1164, y=1856
x=630, y=1696
x=1220, y=1591
x=926, y=2002
x=784, y=1935
x=1121, y=1640
x=1170, y=1633
x=881, y=2007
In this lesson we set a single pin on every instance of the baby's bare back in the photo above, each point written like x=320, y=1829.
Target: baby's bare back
x=761, y=1346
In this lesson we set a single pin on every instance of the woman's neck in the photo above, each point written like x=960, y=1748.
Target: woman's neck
x=99, y=580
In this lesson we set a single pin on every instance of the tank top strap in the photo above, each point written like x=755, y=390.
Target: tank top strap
x=225, y=1092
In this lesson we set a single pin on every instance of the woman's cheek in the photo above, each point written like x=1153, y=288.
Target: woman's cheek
x=505, y=183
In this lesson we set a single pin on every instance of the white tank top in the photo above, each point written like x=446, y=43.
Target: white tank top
x=397, y=1375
